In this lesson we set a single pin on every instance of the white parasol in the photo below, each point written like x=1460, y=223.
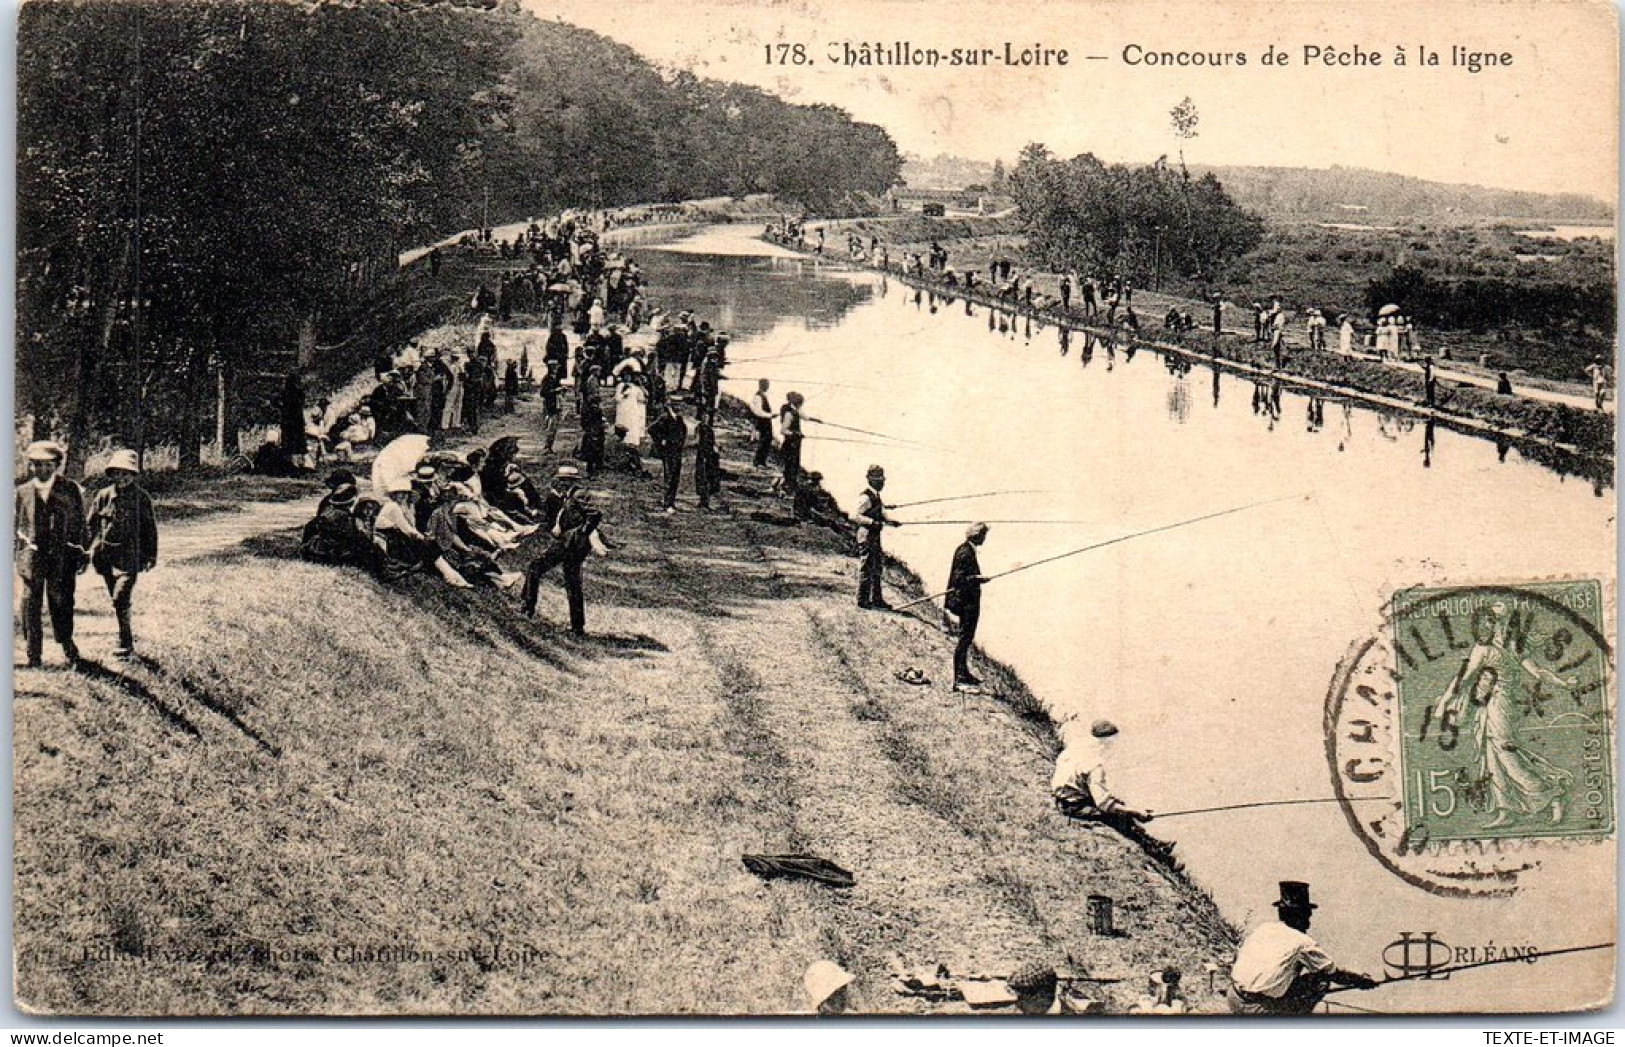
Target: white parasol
x=1388, y=310
x=397, y=460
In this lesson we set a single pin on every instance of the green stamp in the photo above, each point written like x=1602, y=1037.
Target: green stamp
x=1505, y=730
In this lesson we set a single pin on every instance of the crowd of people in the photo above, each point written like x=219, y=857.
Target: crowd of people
x=464, y=516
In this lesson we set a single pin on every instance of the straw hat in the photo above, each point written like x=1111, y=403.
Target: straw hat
x=823, y=980
x=124, y=462
x=45, y=451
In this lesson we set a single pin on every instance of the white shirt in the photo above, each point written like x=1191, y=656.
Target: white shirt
x=1084, y=758
x=1272, y=957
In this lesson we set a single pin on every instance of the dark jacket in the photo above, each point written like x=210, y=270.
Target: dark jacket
x=669, y=433
x=50, y=534
x=123, y=530
x=964, y=585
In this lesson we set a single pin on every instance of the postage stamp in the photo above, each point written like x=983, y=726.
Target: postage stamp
x=1471, y=727
x=1503, y=711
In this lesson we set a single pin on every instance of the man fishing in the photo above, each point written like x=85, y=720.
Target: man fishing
x=790, y=441
x=872, y=520
x=761, y=415
x=1279, y=969
x=1081, y=792
x=964, y=602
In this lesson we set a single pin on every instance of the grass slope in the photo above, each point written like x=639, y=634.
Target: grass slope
x=318, y=793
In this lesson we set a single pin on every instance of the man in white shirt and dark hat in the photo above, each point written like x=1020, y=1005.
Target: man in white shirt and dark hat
x=50, y=541
x=1279, y=969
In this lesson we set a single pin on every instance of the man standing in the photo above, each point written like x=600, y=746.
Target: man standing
x=1279, y=969
x=569, y=514
x=964, y=601
x=549, y=390
x=50, y=549
x=1598, y=373
x=761, y=413
x=707, y=463
x=292, y=417
x=790, y=441
x=123, y=540
x=871, y=519
x=669, y=433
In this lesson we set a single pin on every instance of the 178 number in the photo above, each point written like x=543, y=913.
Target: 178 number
x=787, y=54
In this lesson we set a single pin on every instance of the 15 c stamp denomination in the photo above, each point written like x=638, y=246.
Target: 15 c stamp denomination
x=1472, y=725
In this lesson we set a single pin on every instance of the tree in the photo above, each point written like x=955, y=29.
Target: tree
x=1136, y=221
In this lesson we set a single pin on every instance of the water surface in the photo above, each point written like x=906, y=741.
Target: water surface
x=1210, y=646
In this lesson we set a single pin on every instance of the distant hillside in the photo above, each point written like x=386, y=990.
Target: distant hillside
x=1346, y=192
x=944, y=172
x=1353, y=191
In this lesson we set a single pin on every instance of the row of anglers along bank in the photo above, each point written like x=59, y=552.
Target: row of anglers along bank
x=1388, y=333
x=464, y=517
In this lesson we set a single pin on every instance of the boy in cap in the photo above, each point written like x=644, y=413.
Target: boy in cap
x=123, y=539
x=50, y=549
x=1279, y=969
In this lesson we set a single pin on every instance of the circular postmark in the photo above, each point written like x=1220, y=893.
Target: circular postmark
x=1472, y=729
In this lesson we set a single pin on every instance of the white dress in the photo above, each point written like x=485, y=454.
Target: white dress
x=631, y=410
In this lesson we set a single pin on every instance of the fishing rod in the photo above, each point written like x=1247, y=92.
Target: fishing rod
x=1110, y=541
x=867, y=443
x=958, y=498
x=929, y=523
x=865, y=432
x=1270, y=803
x=1437, y=971
x=779, y=356
x=806, y=381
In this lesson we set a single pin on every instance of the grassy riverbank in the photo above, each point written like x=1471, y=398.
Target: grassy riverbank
x=319, y=793
x=1307, y=263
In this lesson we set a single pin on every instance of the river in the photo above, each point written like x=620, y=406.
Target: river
x=1210, y=646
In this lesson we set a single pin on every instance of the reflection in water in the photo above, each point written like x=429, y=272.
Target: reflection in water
x=1267, y=400
x=1065, y=339
x=1179, y=394
x=1132, y=631
x=1216, y=383
x=1316, y=414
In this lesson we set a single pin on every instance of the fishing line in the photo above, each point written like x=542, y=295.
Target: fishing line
x=1111, y=541
x=1437, y=971
x=958, y=498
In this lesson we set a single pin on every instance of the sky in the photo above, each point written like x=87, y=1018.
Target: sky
x=1547, y=122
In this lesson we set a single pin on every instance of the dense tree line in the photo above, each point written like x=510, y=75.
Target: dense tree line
x=211, y=187
x=1141, y=222
x=1486, y=303
x=1348, y=192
